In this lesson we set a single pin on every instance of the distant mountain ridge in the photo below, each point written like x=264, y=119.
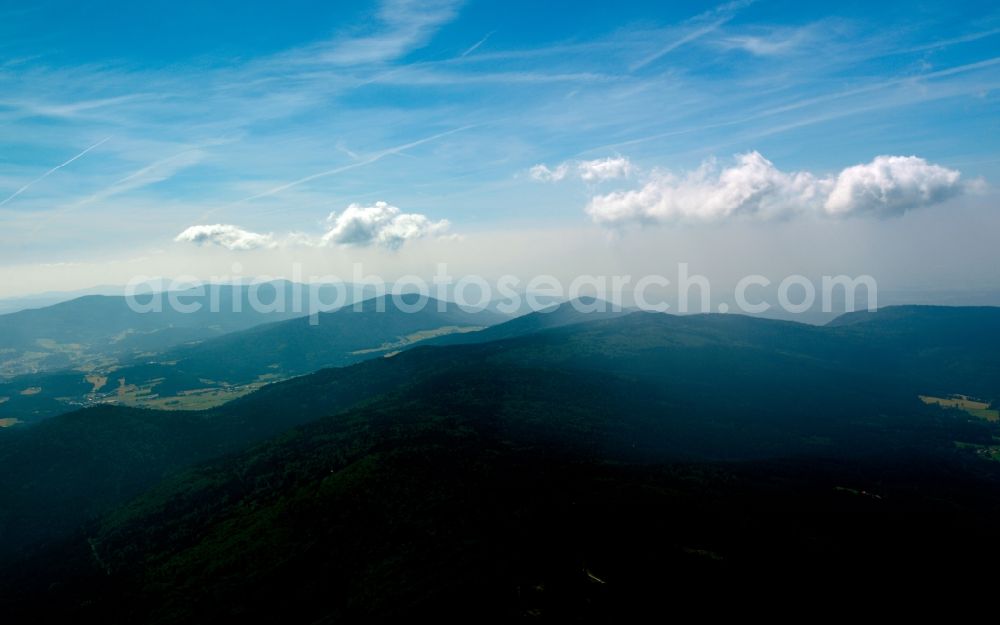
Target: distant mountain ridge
x=922, y=313
x=581, y=310
x=94, y=328
x=203, y=370
x=42, y=300
x=706, y=386
x=377, y=327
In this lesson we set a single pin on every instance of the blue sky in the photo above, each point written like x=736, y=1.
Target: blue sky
x=124, y=125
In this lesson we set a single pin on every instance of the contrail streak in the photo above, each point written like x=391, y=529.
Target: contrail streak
x=52, y=171
x=330, y=172
x=476, y=45
x=805, y=103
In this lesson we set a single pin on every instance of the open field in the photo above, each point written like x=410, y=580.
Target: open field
x=196, y=399
x=416, y=337
x=47, y=355
x=201, y=399
x=974, y=407
x=99, y=381
x=986, y=452
x=989, y=415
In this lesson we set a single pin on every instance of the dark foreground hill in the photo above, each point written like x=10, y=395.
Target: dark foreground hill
x=955, y=346
x=581, y=473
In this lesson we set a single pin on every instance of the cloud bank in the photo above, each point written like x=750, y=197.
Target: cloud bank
x=754, y=188
x=382, y=224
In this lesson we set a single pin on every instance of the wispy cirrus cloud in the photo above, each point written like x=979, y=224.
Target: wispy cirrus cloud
x=359, y=161
x=773, y=41
x=82, y=109
x=946, y=83
x=694, y=29
x=402, y=26
x=152, y=173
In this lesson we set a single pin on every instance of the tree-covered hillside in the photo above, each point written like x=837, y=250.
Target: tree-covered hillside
x=568, y=473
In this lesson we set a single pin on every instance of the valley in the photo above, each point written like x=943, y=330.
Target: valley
x=202, y=374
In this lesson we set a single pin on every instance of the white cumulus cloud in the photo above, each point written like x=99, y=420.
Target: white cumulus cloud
x=603, y=169
x=381, y=224
x=597, y=170
x=226, y=235
x=891, y=185
x=543, y=174
x=752, y=187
